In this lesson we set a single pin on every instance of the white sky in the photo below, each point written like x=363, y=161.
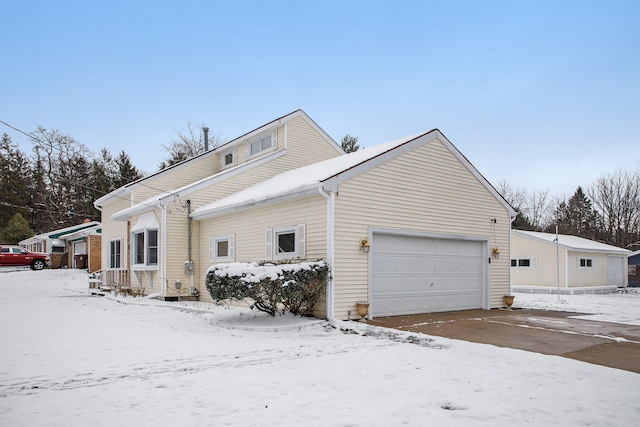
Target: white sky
x=542, y=94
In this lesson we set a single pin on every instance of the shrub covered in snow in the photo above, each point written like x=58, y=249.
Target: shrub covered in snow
x=285, y=286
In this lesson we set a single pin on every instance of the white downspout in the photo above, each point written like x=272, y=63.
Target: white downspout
x=163, y=274
x=330, y=294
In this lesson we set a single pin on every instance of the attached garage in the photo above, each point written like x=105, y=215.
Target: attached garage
x=424, y=274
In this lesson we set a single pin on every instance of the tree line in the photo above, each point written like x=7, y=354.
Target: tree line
x=608, y=211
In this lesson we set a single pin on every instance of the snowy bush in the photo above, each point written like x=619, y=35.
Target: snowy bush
x=272, y=287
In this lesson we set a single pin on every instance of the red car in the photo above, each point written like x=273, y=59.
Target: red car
x=15, y=256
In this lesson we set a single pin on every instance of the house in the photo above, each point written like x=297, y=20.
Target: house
x=149, y=238
x=570, y=264
x=409, y=226
x=78, y=246
x=634, y=269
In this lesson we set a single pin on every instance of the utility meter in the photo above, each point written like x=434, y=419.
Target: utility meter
x=189, y=267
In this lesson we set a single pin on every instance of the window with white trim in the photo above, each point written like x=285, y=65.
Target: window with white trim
x=145, y=248
x=115, y=253
x=222, y=248
x=286, y=242
x=228, y=159
x=585, y=262
x=264, y=143
x=530, y=262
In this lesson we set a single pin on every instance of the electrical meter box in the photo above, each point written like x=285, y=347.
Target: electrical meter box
x=189, y=267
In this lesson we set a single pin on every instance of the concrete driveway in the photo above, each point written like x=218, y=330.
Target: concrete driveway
x=548, y=332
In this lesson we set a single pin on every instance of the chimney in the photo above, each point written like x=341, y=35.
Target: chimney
x=206, y=138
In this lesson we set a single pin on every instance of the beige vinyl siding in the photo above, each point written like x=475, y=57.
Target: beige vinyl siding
x=249, y=229
x=112, y=230
x=425, y=190
x=598, y=275
x=545, y=272
x=176, y=177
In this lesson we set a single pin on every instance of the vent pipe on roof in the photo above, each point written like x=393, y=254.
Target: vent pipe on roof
x=206, y=138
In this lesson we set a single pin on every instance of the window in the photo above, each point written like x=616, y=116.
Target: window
x=145, y=248
x=57, y=249
x=286, y=242
x=221, y=248
x=115, y=254
x=585, y=262
x=264, y=143
x=144, y=242
x=524, y=262
x=227, y=159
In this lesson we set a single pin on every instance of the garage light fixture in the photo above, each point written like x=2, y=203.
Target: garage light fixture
x=364, y=245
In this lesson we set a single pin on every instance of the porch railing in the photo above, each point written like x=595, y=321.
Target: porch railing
x=109, y=278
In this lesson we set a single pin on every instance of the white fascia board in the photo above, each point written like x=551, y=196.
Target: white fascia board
x=307, y=191
x=115, y=194
x=140, y=208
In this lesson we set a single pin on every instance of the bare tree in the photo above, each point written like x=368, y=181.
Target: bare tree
x=538, y=208
x=189, y=143
x=616, y=197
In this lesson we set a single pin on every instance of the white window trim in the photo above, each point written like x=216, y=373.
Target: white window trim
x=299, y=243
x=591, y=267
x=145, y=265
x=224, y=154
x=274, y=145
x=533, y=263
x=213, y=248
x=121, y=251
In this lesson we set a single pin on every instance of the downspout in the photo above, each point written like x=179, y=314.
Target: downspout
x=189, y=224
x=330, y=294
x=163, y=286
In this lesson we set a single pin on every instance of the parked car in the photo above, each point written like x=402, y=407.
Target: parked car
x=16, y=256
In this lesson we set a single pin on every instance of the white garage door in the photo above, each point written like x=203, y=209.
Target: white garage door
x=424, y=275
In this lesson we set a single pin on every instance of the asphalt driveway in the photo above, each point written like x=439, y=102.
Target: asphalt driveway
x=548, y=332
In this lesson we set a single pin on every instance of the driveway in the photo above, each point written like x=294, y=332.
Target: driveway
x=548, y=332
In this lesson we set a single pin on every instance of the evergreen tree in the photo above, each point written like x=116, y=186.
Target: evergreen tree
x=126, y=171
x=350, y=143
x=16, y=230
x=13, y=181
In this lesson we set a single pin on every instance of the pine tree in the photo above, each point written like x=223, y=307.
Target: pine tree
x=16, y=230
x=350, y=143
x=126, y=171
x=13, y=181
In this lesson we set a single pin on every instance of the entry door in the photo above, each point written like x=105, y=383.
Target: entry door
x=616, y=273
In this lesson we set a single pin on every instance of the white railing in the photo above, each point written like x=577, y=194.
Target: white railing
x=108, y=279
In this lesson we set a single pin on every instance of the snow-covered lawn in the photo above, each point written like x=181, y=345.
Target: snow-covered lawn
x=74, y=360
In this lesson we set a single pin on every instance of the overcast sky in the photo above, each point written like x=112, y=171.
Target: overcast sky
x=541, y=94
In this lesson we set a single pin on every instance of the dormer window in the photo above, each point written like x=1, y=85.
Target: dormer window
x=261, y=144
x=228, y=158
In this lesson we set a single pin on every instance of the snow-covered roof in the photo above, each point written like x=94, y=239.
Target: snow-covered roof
x=118, y=193
x=60, y=233
x=572, y=242
x=310, y=179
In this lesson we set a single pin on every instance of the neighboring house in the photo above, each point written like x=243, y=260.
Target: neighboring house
x=570, y=265
x=149, y=239
x=634, y=268
x=407, y=226
x=78, y=246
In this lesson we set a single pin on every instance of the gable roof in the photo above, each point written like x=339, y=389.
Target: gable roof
x=62, y=232
x=572, y=242
x=326, y=175
x=127, y=188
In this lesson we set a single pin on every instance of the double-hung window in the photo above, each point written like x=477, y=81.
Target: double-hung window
x=144, y=243
x=115, y=253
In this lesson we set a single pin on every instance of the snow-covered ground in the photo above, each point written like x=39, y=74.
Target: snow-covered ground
x=74, y=360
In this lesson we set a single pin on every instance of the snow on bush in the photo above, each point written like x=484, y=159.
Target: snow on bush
x=272, y=287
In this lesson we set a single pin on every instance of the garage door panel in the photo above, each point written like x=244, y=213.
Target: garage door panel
x=419, y=275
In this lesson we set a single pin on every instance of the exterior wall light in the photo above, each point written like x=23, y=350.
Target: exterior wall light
x=364, y=245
